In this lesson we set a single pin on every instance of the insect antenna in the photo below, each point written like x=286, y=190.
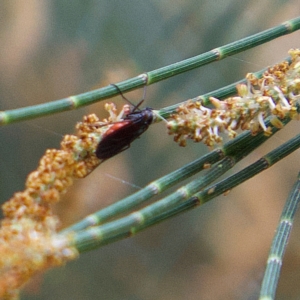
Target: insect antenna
x=135, y=107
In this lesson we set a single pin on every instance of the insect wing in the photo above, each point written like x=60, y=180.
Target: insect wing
x=120, y=135
x=118, y=139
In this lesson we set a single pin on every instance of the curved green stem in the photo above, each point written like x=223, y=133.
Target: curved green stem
x=73, y=102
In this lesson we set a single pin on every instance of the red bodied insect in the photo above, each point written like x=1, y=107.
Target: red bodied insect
x=121, y=134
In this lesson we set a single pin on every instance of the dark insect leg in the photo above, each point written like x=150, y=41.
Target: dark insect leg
x=135, y=107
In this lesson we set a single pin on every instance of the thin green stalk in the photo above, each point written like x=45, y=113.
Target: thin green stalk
x=77, y=101
x=221, y=93
x=127, y=226
x=224, y=51
x=279, y=244
x=263, y=163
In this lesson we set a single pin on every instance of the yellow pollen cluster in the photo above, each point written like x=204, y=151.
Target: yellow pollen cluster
x=276, y=94
x=29, y=242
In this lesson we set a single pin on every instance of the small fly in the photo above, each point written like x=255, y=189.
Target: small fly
x=121, y=134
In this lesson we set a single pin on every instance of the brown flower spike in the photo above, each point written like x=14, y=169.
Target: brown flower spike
x=275, y=94
x=29, y=239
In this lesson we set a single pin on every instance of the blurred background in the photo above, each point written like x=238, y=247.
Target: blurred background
x=53, y=49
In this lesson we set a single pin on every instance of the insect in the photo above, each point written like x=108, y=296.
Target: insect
x=121, y=134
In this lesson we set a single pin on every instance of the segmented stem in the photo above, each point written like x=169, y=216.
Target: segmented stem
x=77, y=101
x=279, y=244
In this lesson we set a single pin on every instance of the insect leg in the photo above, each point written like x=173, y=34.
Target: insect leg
x=135, y=107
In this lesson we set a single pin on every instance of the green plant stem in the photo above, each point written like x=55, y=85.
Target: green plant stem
x=96, y=236
x=279, y=244
x=262, y=164
x=74, y=102
x=221, y=93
